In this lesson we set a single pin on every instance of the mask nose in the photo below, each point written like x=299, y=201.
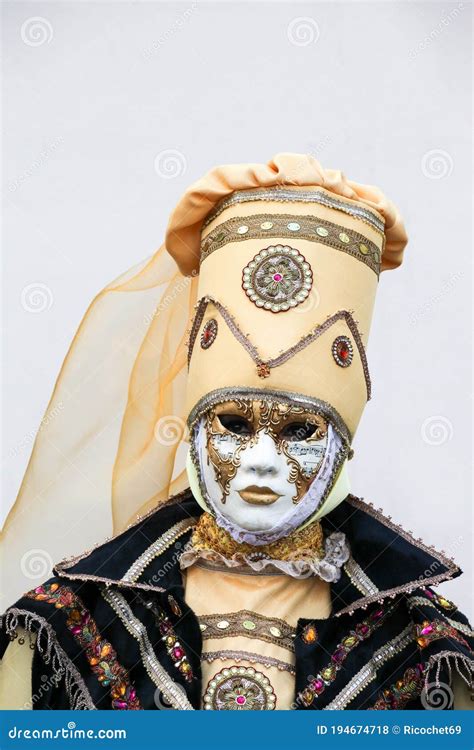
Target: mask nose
x=261, y=459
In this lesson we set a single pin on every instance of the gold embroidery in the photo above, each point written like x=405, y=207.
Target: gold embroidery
x=283, y=226
x=307, y=542
x=249, y=625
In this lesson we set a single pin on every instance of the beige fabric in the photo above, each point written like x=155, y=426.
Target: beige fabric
x=209, y=591
x=15, y=674
x=184, y=228
x=463, y=697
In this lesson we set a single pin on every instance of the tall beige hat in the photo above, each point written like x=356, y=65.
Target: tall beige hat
x=289, y=257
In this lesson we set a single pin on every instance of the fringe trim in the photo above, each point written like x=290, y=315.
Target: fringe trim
x=463, y=665
x=53, y=654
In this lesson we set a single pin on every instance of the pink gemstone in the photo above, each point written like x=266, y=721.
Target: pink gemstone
x=132, y=694
x=429, y=594
x=317, y=685
x=427, y=630
x=241, y=699
x=39, y=590
x=277, y=277
x=338, y=656
x=362, y=629
x=120, y=705
x=76, y=630
x=178, y=652
x=376, y=615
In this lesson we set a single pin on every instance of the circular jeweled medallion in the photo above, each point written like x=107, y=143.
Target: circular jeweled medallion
x=239, y=689
x=277, y=278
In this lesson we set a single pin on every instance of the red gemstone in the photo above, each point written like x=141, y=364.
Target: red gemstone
x=241, y=699
x=343, y=350
x=277, y=277
x=178, y=652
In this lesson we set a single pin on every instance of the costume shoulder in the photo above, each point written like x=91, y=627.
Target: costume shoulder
x=427, y=639
x=68, y=618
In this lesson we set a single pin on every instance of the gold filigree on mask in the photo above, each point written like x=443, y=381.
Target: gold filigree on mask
x=298, y=434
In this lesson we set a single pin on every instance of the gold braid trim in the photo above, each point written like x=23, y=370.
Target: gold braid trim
x=305, y=543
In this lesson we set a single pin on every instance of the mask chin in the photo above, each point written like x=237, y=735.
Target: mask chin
x=260, y=523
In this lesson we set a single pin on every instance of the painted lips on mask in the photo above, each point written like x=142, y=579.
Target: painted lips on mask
x=255, y=495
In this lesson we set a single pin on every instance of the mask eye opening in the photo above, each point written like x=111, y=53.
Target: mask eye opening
x=236, y=424
x=295, y=432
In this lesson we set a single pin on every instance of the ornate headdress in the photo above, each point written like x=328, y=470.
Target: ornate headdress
x=278, y=267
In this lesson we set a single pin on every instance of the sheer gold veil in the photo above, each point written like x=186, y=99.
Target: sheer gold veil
x=113, y=442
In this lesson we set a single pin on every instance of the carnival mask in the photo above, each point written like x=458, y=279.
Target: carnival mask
x=258, y=459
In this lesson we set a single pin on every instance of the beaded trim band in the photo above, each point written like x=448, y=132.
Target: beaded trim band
x=359, y=578
x=174, y=693
x=368, y=672
x=264, y=366
x=266, y=661
x=286, y=195
x=289, y=226
x=315, y=405
x=249, y=625
x=159, y=546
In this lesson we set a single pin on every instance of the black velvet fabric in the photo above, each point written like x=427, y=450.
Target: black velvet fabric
x=399, y=567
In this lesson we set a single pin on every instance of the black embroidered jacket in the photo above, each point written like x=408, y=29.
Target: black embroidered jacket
x=113, y=630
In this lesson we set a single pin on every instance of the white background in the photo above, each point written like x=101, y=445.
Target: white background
x=379, y=90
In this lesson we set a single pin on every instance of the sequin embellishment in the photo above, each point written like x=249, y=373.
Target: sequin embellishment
x=277, y=278
x=239, y=689
x=343, y=351
x=100, y=653
x=209, y=333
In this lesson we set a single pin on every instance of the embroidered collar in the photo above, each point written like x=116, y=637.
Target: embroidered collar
x=385, y=560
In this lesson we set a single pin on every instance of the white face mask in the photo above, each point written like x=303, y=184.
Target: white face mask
x=258, y=465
